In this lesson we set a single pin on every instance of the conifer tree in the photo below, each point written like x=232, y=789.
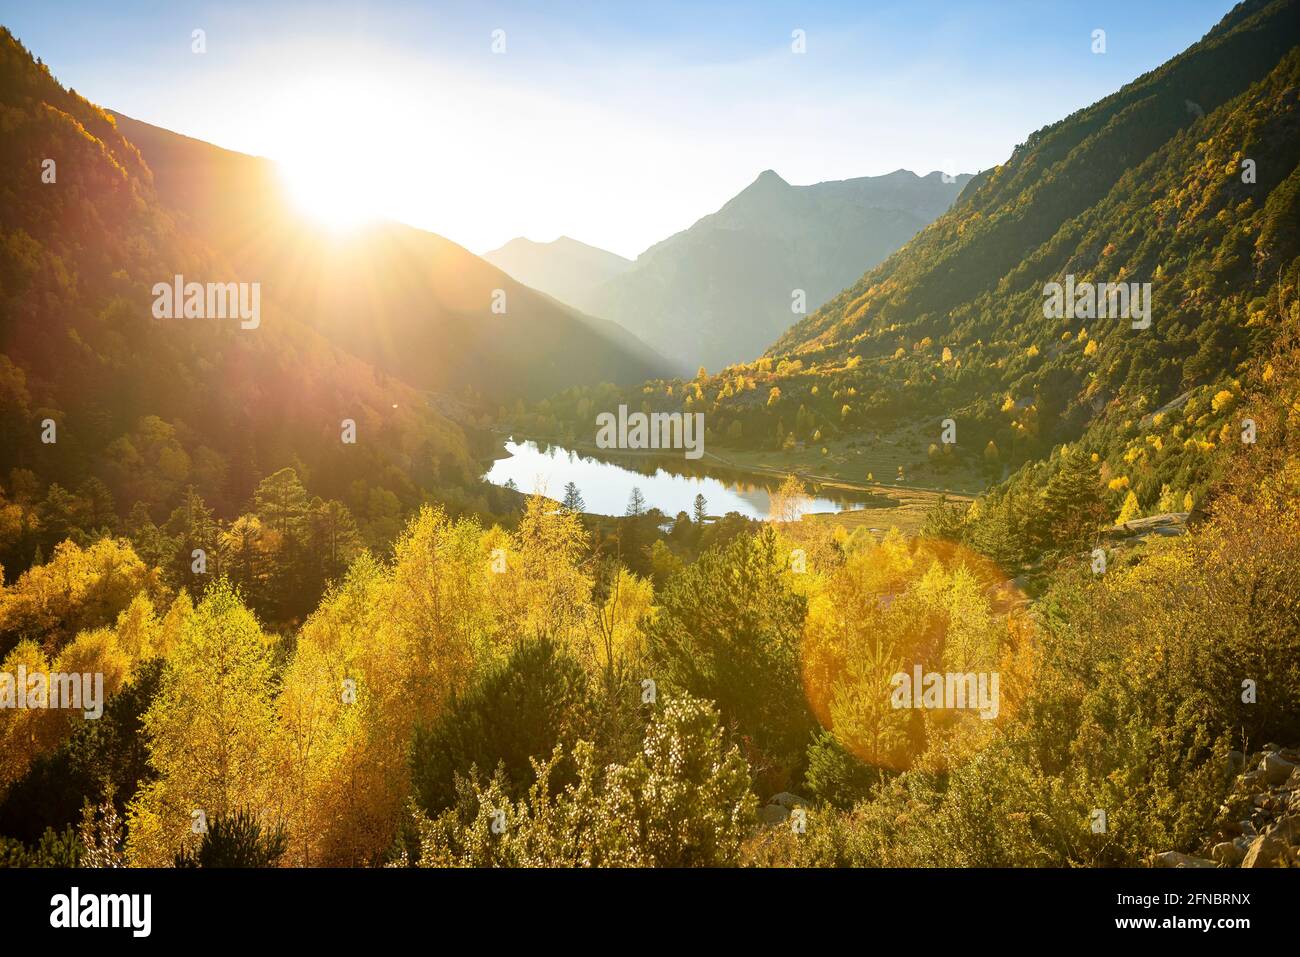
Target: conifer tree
x=635, y=503
x=573, y=499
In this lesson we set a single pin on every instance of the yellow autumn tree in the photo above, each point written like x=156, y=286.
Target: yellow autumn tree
x=552, y=592
x=23, y=733
x=26, y=733
x=788, y=502
x=210, y=729
x=77, y=589
x=1129, y=510
x=347, y=714
x=617, y=626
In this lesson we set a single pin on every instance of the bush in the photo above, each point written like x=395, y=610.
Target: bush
x=238, y=840
x=836, y=776
x=683, y=801
x=537, y=699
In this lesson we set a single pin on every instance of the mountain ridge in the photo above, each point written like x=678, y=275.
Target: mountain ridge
x=565, y=268
x=723, y=288
x=432, y=318
x=944, y=362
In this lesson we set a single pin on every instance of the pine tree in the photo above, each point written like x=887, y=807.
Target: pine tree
x=333, y=536
x=701, y=509
x=281, y=502
x=193, y=526
x=1072, y=505
x=635, y=503
x=573, y=499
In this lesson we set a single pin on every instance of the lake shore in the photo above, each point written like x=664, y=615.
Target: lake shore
x=875, y=505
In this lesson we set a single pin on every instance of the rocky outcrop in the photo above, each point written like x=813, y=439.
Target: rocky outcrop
x=1259, y=824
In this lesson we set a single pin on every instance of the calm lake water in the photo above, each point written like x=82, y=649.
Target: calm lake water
x=605, y=486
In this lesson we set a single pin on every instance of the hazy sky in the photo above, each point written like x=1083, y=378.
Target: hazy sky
x=614, y=123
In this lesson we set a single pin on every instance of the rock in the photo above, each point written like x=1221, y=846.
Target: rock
x=1286, y=829
x=1252, y=779
x=1175, y=859
x=1236, y=762
x=1247, y=828
x=773, y=814
x=787, y=800
x=1272, y=747
x=1265, y=851
x=1276, y=769
x=1228, y=853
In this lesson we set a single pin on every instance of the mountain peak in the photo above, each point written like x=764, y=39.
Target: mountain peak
x=770, y=177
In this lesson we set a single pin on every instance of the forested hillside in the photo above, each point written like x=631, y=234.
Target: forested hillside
x=416, y=305
x=112, y=420
x=1186, y=179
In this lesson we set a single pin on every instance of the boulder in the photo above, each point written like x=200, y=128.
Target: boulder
x=1276, y=769
x=787, y=800
x=1228, y=853
x=1286, y=829
x=773, y=814
x=1265, y=851
x=1175, y=859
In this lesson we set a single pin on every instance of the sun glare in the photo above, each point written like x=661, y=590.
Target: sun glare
x=336, y=181
x=331, y=192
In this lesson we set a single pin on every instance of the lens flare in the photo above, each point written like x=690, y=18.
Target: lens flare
x=915, y=651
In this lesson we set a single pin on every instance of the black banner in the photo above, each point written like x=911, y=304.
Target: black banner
x=143, y=907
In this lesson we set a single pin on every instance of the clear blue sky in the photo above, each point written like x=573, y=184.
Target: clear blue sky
x=615, y=123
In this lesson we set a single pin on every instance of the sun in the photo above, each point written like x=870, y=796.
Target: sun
x=324, y=139
x=332, y=189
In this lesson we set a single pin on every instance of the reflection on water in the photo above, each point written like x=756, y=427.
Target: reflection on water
x=605, y=487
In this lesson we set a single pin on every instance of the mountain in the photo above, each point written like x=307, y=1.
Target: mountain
x=722, y=290
x=417, y=305
x=104, y=407
x=1187, y=180
x=566, y=269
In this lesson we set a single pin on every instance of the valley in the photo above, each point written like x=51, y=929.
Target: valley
x=394, y=555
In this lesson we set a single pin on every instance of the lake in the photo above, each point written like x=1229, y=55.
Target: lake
x=605, y=486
